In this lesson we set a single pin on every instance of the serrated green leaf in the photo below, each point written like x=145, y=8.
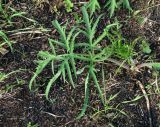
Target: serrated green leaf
x=57, y=42
x=70, y=34
x=39, y=69
x=52, y=80
x=97, y=85
x=72, y=45
x=82, y=45
x=94, y=26
x=86, y=20
x=45, y=55
x=99, y=39
x=60, y=30
x=126, y=4
x=63, y=72
x=69, y=73
x=86, y=98
x=93, y=5
x=73, y=64
x=112, y=5
x=52, y=46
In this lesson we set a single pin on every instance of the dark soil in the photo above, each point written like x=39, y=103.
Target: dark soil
x=19, y=105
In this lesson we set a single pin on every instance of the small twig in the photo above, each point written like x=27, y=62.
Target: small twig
x=147, y=102
x=150, y=7
x=119, y=63
x=132, y=67
x=149, y=65
x=153, y=21
x=80, y=2
x=28, y=32
x=156, y=84
x=56, y=116
x=1, y=69
x=28, y=29
x=68, y=123
x=3, y=51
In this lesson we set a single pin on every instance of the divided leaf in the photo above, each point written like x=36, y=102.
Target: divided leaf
x=112, y=5
x=52, y=80
x=86, y=97
x=41, y=65
x=93, y=5
x=69, y=73
x=97, y=85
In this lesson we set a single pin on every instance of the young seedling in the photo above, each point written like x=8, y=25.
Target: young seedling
x=63, y=63
x=32, y=125
x=122, y=49
x=4, y=40
x=115, y=109
x=4, y=76
x=68, y=5
x=9, y=13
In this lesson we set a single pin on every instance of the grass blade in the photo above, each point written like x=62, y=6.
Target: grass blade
x=17, y=14
x=6, y=40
